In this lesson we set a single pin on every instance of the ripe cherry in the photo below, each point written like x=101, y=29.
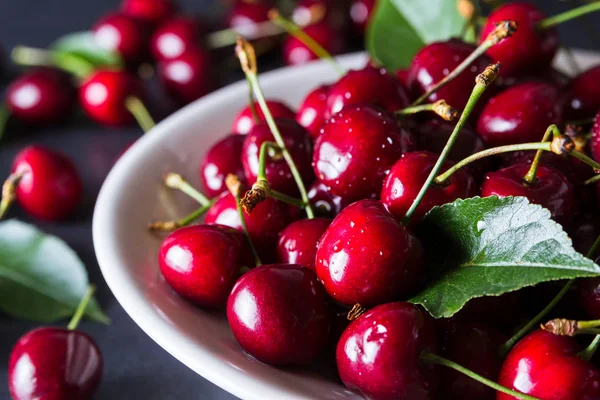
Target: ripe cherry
x=379, y=353
x=299, y=240
x=311, y=113
x=244, y=120
x=356, y=149
x=530, y=49
x=588, y=291
x=151, y=11
x=124, y=35
x=175, y=36
x=408, y=175
x=244, y=16
x=223, y=158
x=595, y=139
x=367, y=257
x=582, y=95
x=188, y=76
x=295, y=52
x=279, y=314
x=574, y=169
x=325, y=203
x=360, y=13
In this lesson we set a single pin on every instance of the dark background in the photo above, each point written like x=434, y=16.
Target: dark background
x=135, y=367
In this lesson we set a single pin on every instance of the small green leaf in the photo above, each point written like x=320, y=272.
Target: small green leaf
x=41, y=278
x=489, y=246
x=76, y=50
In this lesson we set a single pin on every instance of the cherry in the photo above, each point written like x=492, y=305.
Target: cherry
x=367, y=257
x=244, y=16
x=174, y=37
x=295, y=52
x=50, y=187
x=278, y=172
x=581, y=95
x=222, y=158
x=311, y=113
x=244, y=120
x=379, y=354
x=41, y=96
x=595, y=139
x=530, y=49
x=433, y=62
x=123, y=34
x=102, y=96
x=588, y=291
x=151, y=11
x=402, y=75
x=325, y=203
x=585, y=229
x=360, y=13
x=279, y=314
x=188, y=76
x=551, y=189
x=545, y=366
x=299, y=240
x=54, y=364
x=356, y=148
x=408, y=175
x=504, y=120
x=368, y=85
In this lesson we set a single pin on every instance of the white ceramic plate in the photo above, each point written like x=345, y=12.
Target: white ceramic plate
x=133, y=195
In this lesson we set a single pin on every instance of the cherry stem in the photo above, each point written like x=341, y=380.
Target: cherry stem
x=139, y=111
x=431, y=358
x=170, y=226
x=568, y=15
x=175, y=181
x=589, y=351
x=592, y=180
x=72, y=63
x=586, y=159
x=503, y=30
x=4, y=116
x=81, y=308
x=228, y=37
x=251, y=104
x=571, y=327
x=287, y=199
x=245, y=53
x=482, y=81
x=529, y=177
x=266, y=149
x=440, y=107
x=235, y=188
x=9, y=192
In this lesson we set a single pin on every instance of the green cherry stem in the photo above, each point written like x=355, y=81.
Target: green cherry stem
x=571, y=327
x=175, y=181
x=139, y=111
x=267, y=149
x=482, y=81
x=586, y=159
x=532, y=172
x=592, y=180
x=9, y=194
x=228, y=37
x=287, y=199
x=589, y=351
x=251, y=104
x=568, y=15
x=69, y=62
x=440, y=107
x=170, y=226
x=80, y=311
x=4, y=116
x=235, y=188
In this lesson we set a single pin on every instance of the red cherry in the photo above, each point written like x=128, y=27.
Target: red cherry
x=588, y=291
x=367, y=257
x=299, y=240
x=54, y=364
x=367, y=85
x=325, y=203
x=379, y=354
x=279, y=314
x=360, y=13
x=356, y=149
x=188, y=76
x=244, y=16
x=223, y=158
x=408, y=175
x=519, y=114
x=529, y=50
x=545, y=366
x=595, y=139
x=244, y=120
x=295, y=52
x=41, y=96
x=151, y=11
x=582, y=95
x=175, y=36
x=123, y=34
x=311, y=113
x=402, y=75
x=574, y=169
x=102, y=96
x=50, y=188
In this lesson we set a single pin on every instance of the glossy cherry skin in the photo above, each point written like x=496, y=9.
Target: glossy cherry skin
x=368, y=85
x=360, y=13
x=594, y=142
x=367, y=257
x=551, y=188
x=151, y=11
x=408, y=175
x=102, y=96
x=244, y=120
x=546, y=366
x=356, y=149
x=279, y=314
x=187, y=77
x=296, y=52
x=519, y=114
x=582, y=95
x=325, y=203
x=41, y=96
x=278, y=172
x=50, y=188
x=124, y=35
x=311, y=113
x=222, y=158
x=529, y=50
x=379, y=353
x=203, y=262
x=54, y=364
x=299, y=240
x=174, y=37
x=433, y=62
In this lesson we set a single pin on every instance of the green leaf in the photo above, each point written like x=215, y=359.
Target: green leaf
x=79, y=53
x=399, y=28
x=489, y=246
x=41, y=278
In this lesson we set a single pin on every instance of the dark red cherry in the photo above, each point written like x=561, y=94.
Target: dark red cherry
x=41, y=96
x=582, y=95
x=203, y=262
x=360, y=13
x=325, y=203
x=585, y=229
x=244, y=16
x=298, y=241
x=311, y=113
x=223, y=158
x=278, y=172
x=102, y=96
x=175, y=36
x=588, y=291
x=408, y=175
x=124, y=35
x=595, y=139
x=151, y=11
x=519, y=114
x=54, y=364
x=279, y=314
x=433, y=62
x=379, y=354
x=295, y=52
x=244, y=120
x=546, y=366
x=50, y=188
x=368, y=85
x=356, y=149
x=530, y=49
x=402, y=75
x=551, y=189
x=188, y=76
x=367, y=257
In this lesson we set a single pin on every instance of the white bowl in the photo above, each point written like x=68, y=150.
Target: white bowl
x=133, y=195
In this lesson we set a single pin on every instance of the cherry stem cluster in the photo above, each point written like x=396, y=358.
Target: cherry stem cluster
x=139, y=111
x=80, y=311
x=568, y=15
